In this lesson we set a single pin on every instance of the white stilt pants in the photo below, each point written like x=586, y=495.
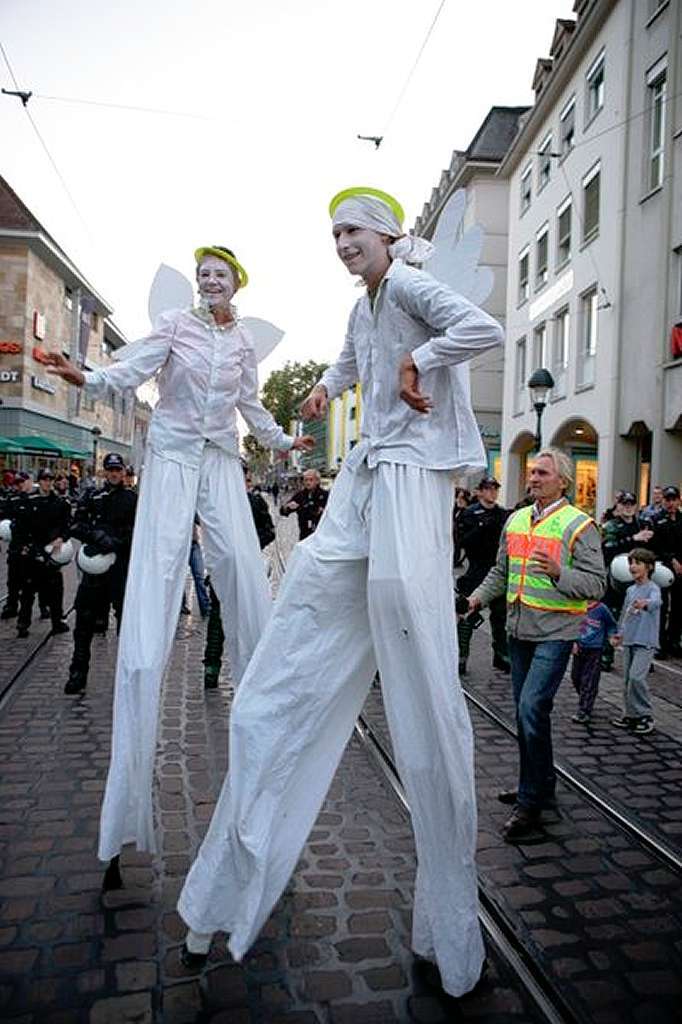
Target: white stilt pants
x=371, y=588
x=170, y=494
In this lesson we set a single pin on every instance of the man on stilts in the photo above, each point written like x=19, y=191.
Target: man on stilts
x=207, y=372
x=371, y=588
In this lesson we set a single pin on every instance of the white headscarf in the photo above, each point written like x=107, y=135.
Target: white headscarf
x=371, y=212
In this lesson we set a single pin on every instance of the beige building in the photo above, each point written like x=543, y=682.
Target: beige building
x=595, y=252
x=46, y=303
x=474, y=170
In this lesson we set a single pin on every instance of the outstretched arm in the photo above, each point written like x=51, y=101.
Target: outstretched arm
x=261, y=422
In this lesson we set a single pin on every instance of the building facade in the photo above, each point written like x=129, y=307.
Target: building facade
x=595, y=253
x=47, y=304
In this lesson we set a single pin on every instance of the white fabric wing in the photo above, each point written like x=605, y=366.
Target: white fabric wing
x=266, y=337
x=170, y=290
x=455, y=261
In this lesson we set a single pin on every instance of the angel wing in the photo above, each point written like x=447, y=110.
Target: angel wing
x=457, y=252
x=171, y=290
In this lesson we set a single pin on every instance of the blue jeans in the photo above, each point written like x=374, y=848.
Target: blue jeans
x=196, y=564
x=537, y=669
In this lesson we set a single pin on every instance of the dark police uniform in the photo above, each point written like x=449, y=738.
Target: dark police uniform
x=479, y=532
x=104, y=523
x=311, y=505
x=11, y=508
x=618, y=539
x=667, y=544
x=41, y=519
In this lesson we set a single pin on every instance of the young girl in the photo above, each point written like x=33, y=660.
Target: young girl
x=638, y=633
x=598, y=625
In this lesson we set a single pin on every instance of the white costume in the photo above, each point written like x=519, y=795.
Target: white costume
x=371, y=588
x=191, y=464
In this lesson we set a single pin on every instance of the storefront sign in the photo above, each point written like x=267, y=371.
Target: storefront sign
x=42, y=384
x=38, y=325
x=11, y=348
x=10, y=376
x=40, y=356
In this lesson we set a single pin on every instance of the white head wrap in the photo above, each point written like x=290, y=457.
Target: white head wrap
x=370, y=212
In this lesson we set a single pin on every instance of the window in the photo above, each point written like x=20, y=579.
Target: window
x=678, y=252
x=567, y=127
x=595, y=88
x=560, y=352
x=563, y=233
x=657, y=96
x=68, y=298
x=520, y=389
x=524, y=274
x=541, y=256
x=540, y=350
x=526, y=189
x=588, y=336
x=545, y=162
x=591, y=203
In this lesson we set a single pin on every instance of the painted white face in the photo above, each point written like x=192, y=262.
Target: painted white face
x=216, y=281
x=364, y=252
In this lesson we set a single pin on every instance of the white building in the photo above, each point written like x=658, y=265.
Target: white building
x=595, y=252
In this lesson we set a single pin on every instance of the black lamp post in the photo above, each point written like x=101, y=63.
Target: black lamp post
x=96, y=433
x=540, y=384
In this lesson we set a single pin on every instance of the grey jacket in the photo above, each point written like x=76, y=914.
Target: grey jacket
x=585, y=578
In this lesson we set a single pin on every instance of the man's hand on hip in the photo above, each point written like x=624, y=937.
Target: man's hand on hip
x=409, y=386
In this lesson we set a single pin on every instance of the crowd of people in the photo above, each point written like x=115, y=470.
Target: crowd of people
x=368, y=589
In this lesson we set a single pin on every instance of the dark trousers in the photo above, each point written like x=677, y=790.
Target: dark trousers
x=46, y=580
x=670, y=633
x=585, y=675
x=614, y=599
x=14, y=577
x=95, y=595
x=466, y=584
x=215, y=637
x=536, y=671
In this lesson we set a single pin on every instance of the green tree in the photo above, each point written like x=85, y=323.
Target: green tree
x=285, y=389
x=257, y=457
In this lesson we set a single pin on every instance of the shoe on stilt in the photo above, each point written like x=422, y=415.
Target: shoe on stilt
x=211, y=677
x=112, y=876
x=76, y=682
x=193, y=961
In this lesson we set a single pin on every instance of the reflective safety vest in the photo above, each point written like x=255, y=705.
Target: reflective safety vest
x=554, y=534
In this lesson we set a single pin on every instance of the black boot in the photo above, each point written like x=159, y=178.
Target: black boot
x=501, y=664
x=59, y=627
x=77, y=681
x=8, y=612
x=112, y=876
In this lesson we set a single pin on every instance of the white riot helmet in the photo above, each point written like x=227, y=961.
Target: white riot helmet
x=663, y=575
x=620, y=569
x=95, y=565
x=6, y=529
x=63, y=556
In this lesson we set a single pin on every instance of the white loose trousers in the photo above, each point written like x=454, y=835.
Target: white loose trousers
x=170, y=494
x=371, y=588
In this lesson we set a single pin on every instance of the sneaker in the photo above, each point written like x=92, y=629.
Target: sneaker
x=623, y=722
x=642, y=726
x=581, y=718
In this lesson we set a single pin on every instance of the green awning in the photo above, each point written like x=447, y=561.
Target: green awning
x=75, y=453
x=10, y=447
x=36, y=443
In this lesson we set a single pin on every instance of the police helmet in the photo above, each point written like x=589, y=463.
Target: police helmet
x=63, y=556
x=94, y=564
x=6, y=529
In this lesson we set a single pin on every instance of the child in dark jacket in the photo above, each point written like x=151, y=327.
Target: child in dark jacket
x=598, y=625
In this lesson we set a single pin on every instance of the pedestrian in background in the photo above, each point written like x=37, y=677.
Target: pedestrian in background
x=45, y=519
x=638, y=633
x=596, y=630
x=309, y=503
x=667, y=546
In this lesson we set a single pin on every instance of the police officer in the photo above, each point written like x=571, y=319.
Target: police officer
x=43, y=519
x=13, y=502
x=104, y=524
x=620, y=534
x=667, y=544
x=480, y=529
x=308, y=504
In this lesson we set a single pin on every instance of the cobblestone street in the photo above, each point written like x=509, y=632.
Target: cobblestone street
x=598, y=913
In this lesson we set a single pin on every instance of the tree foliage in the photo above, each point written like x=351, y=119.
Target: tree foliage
x=257, y=457
x=285, y=389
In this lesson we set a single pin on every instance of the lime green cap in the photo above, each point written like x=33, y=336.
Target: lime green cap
x=376, y=193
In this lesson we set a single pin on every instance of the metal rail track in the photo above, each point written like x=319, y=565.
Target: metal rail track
x=32, y=655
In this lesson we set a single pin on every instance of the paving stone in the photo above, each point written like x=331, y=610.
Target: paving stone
x=326, y=986
x=226, y=986
x=366, y=924
x=366, y=948
x=380, y=978
x=135, y=1009
x=136, y=976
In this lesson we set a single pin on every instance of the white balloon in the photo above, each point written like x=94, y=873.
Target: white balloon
x=6, y=529
x=63, y=556
x=95, y=564
x=620, y=569
x=663, y=575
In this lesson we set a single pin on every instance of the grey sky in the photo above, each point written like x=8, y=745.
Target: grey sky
x=283, y=86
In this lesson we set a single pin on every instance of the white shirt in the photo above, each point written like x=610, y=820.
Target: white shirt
x=208, y=371
x=415, y=313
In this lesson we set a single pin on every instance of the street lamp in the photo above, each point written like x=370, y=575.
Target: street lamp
x=96, y=433
x=540, y=383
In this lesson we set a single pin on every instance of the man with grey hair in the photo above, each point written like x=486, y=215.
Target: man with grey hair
x=550, y=565
x=308, y=504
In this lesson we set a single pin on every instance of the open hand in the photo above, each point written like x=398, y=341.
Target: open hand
x=409, y=386
x=303, y=444
x=546, y=564
x=64, y=368
x=314, y=407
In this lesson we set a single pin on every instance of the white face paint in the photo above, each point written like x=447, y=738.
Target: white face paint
x=364, y=252
x=216, y=281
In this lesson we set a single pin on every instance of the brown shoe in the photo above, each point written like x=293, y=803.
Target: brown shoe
x=522, y=822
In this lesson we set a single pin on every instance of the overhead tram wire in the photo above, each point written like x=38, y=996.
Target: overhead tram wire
x=122, y=106
x=413, y=69
x=45, y=148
